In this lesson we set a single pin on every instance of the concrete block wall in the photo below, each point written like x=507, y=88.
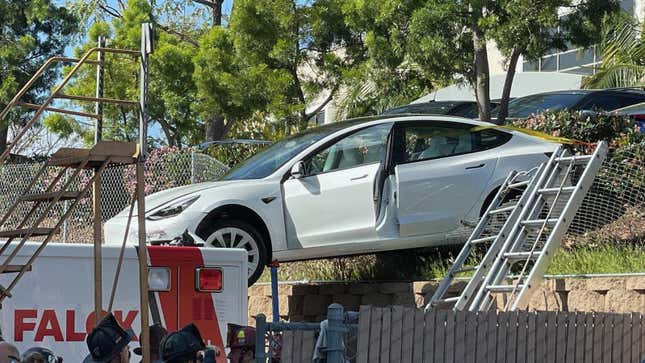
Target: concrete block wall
x=308, y=302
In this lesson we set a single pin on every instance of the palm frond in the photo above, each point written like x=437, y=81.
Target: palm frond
x=616, y=75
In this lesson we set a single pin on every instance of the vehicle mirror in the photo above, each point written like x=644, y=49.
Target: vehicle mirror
x=298, y=170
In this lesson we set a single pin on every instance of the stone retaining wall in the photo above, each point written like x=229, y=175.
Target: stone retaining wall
x=308, y=302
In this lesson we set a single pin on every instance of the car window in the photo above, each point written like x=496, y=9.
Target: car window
x=610, y=101
x=422, y=142
x=362, y=147
x=525, y=106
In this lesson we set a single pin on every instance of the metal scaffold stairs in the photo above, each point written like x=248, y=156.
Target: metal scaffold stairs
x=517, y=253
x=39, y=204
x=33, y=214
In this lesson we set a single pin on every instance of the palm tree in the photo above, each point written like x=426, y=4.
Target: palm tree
x=623, y=55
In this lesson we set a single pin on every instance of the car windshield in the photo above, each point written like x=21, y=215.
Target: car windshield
x=526, y=106
x=269, y=160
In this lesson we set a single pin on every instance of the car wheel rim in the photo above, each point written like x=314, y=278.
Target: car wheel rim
x=232, y=237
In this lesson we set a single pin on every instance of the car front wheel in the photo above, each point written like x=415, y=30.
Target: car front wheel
x=230, y=233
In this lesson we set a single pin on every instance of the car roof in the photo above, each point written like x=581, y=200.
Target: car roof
x=588, y=91
x=410, y=117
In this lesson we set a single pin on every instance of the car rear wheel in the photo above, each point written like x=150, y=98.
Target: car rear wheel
x=230, y=233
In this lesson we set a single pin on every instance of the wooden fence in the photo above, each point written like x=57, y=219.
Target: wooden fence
x=298, y=346
x=401, y=334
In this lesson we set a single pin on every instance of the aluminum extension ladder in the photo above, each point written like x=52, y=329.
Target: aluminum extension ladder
x=520, y=251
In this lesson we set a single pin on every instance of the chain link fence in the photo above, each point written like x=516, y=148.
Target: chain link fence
x=164, y=169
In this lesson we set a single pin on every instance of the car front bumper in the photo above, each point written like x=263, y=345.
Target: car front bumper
x=157, y=231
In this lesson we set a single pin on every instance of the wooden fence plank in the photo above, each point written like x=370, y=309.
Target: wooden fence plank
x=580, y=337
x=570, y=352
x=530, y=338
x=297, y=345
x=551, y=336
x=561, y=337
x=627, y=338
x=617, y=340
x=450, y=338
x=407, y=338
x=427, y=343
x=636, y=337
x=363, y=344
x=522, y=321
x=598, y=325
x=287, y=347
x=375, y=335
x=439, y=353
x=502, y=325
x=511, y=337
x=642, y=337
x=471, y=336
x=396, y=334
x=420, y=330
x=386, y=325
x=308, y=343
x=482, y=330
x=460, y=336
x=541, y=347
x=491, y=337
x=589, y=326
x=607, y=337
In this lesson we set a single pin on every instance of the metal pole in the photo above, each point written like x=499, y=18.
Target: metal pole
x=274, y=291
x=335, y=330
x=100, y=71
x=260, y=332
x=146, y=48
x=96, y=196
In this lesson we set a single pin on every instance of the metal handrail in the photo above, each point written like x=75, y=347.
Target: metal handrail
x=79, y=62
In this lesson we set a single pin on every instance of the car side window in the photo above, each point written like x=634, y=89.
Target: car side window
x=608, y=102
x=365, y=146
x=422, y=142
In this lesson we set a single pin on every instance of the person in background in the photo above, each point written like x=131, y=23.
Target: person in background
x=9, y=353
x=108, y=342
x=39, y=355
x=157, y=333
x=186, y=346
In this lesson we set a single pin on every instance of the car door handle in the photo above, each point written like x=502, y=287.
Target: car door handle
x=475, y=166
x=359, y=177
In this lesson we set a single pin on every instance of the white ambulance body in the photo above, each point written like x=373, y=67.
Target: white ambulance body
x=52, y=305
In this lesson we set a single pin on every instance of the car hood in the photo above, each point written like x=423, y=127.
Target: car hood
x=158, y=199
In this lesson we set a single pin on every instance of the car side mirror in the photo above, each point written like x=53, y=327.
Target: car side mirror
x=298, y=170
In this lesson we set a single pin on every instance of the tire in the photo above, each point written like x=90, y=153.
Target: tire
x=246, y=236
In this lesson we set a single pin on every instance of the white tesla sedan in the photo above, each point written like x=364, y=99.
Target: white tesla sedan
x=352, y=187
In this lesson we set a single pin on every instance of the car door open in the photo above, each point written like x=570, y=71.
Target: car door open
x=333, y=202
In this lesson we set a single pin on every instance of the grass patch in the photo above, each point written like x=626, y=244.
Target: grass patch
x=582, y=260
x=599, y=259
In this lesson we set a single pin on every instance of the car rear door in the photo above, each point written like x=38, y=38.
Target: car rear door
x=441, y=169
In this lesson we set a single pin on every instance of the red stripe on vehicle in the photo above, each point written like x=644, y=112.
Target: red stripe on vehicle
x=183, y=304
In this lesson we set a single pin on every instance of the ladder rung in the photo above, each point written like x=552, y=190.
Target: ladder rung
x=19, y=233
x=578, y=159
x=502, y=210
x=556, y=190
x=446, y=300
x=483, y=240
x=15, y=268
x=466, y=269
x=518, y=184
x=539, y=222
x=43, y=197
x=504, y=288
x=521, y=255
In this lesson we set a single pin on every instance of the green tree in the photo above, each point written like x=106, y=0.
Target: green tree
x=31, y=31
x=623, y=55
x=308, y=44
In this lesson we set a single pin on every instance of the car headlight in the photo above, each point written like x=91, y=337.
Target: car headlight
x=173, y=208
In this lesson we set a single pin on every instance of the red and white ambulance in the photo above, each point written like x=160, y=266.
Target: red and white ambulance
x=52, y=305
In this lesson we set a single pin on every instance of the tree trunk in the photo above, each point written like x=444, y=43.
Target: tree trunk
x=508, y=83
x=4, y=133
x=216, y=128
x=217, y=12
x=482, y=73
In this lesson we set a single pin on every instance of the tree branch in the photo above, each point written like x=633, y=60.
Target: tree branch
x=111, y=11
x=322, y=105
x=181, y=36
